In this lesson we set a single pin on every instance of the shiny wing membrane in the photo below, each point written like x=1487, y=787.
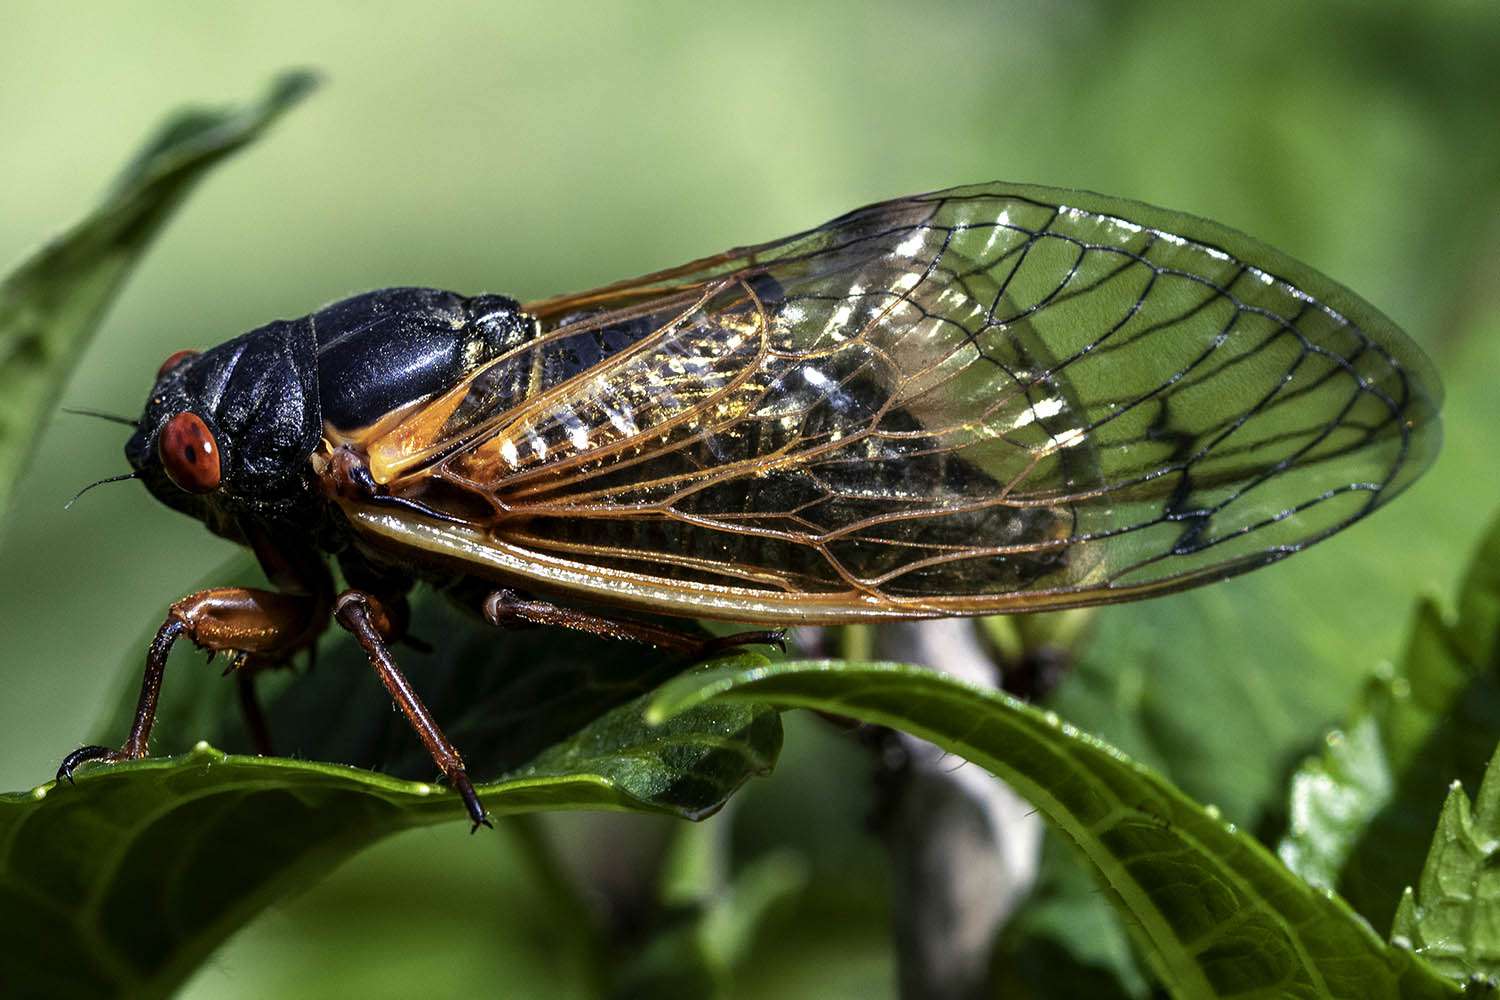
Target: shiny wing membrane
x=986, y=399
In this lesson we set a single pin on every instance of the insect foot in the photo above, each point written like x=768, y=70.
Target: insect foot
x=84, y=755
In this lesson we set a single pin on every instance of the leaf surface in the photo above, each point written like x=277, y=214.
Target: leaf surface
x=1219, y=915
x=124, y=883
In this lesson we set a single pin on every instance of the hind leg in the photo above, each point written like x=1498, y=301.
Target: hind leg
x=504, y=608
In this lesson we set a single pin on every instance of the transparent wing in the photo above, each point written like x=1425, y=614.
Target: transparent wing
x=984, y=399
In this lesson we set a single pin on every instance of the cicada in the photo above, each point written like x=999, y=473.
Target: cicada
x=988, y=399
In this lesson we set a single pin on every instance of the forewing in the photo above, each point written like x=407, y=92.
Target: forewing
x=983, y=399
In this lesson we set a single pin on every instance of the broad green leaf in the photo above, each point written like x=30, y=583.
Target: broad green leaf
x=1219, y=915
x=1267, y=657
x=1453, y=917
x=203, y=841
x=51, y=304
x=1359, y=811
x=1271, y=659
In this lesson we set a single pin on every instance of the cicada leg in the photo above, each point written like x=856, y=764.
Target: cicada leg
x=362, y=615
x=507, y=607
x=240, y=620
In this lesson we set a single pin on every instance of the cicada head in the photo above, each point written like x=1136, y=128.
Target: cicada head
x=228, y=433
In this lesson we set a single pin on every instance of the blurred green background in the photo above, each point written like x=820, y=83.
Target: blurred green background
x=537, y=148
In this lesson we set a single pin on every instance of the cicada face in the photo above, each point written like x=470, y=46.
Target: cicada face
x=227, y=433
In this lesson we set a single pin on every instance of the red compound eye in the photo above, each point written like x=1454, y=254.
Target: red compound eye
x=189, y=453
x=173, y=360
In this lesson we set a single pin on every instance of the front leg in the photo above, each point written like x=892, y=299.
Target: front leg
x=262, y=623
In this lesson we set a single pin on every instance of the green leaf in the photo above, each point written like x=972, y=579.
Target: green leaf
x=1219, y=914
x=1359, y=811
x=127, y=881
x=1151, y=674
x=51, y=304
x=1154, y=672
x=1453, y=917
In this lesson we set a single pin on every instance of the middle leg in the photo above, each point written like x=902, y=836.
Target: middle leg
x=363, y=616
